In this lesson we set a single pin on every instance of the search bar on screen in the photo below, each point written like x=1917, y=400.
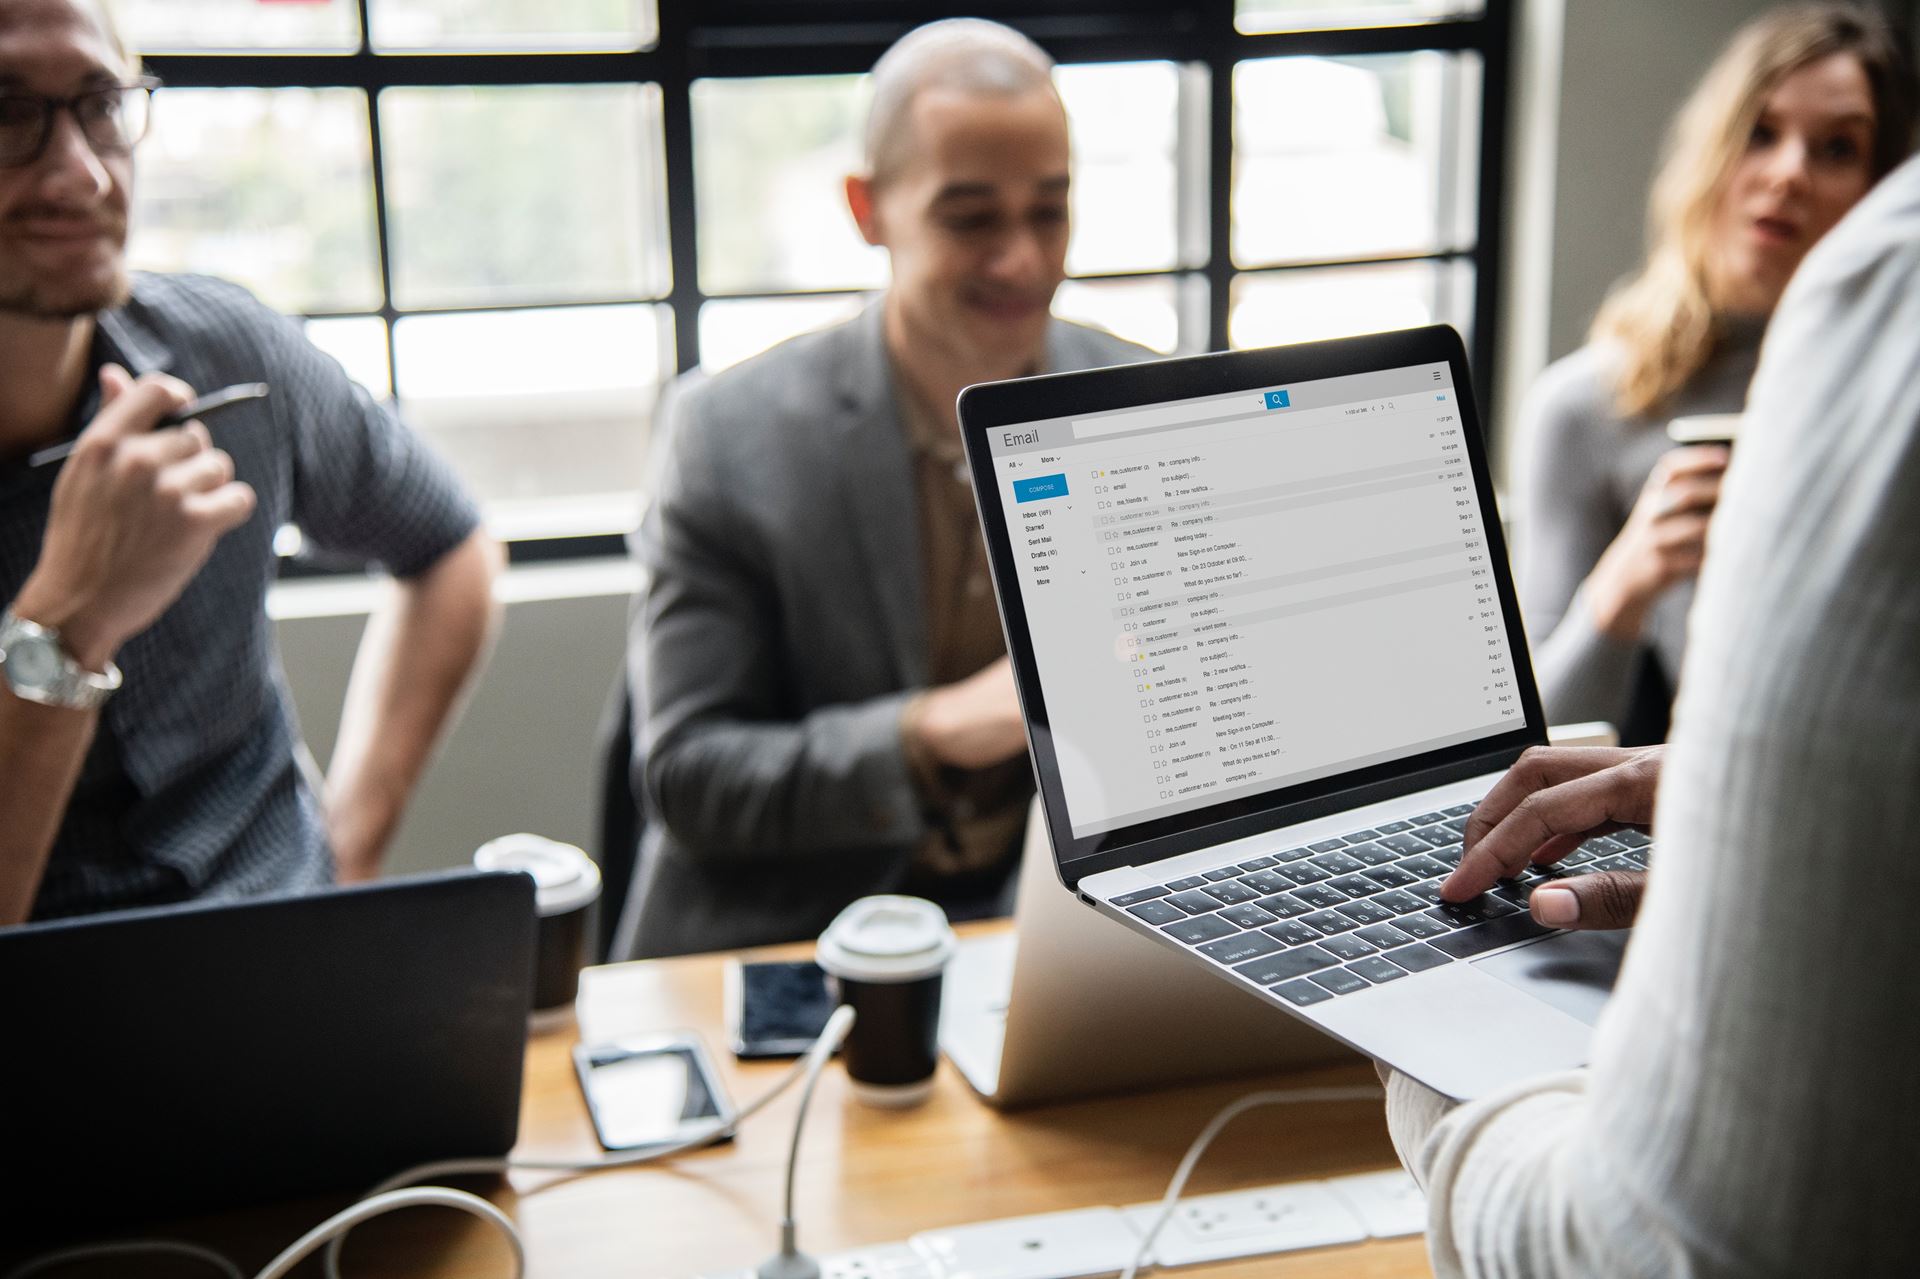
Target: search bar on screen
x=1088, y=428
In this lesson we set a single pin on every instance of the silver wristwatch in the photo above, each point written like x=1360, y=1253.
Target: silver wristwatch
x=38, y=669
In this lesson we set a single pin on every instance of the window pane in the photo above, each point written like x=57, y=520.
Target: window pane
x=1257, y=16
x=524, y=194
x=1353, y=157
x=735, y=329
x=359, y=342
x=1301, y=306
x=770, y=156
x=272, y=188
x=162, y=26
x=536, y=404
x=569, y=25
x=1124, y=118
x=1147, y=311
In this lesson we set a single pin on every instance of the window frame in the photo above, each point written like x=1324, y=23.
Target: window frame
x=848, y=39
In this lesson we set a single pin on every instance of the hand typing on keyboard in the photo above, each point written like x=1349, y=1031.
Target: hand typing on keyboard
x=1550, y=803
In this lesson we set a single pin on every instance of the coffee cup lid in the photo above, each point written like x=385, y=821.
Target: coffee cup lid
x=565, y=879
x=1705, y=428
x=887, y=939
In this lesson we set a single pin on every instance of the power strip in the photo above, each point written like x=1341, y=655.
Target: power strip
x=1249, y=1223
x=1101, y=1241
x=1058, y=1245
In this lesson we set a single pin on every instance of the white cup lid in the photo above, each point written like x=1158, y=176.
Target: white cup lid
x=887, y=939
x=1712, y=428
x=565, y=878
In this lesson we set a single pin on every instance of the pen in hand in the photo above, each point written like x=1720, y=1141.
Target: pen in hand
x=207, y=405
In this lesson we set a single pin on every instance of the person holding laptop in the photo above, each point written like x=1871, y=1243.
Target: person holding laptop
x=1744, y=1113
x=822, y=699
x=147, y=741
x=1808, y=107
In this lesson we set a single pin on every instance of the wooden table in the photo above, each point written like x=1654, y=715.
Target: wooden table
x=868, y=1176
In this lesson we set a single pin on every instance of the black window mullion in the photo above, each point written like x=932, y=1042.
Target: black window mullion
x=1490, y=215
x=1221, y=61
x=383, y=245
x=851, y=49
x=1451, y=35
x=368, y=70
x=383, y=248
x=683, y=223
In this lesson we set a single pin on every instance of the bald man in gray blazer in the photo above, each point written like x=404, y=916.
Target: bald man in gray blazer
x=779, y=643
x=823, y=706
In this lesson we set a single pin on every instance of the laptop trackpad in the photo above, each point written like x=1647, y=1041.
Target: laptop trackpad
x=1573, y=972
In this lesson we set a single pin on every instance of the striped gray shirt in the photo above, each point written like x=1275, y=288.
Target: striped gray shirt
x=191, y=789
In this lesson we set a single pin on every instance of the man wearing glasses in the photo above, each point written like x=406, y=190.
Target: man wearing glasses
x=147, y=744
x=823, y=701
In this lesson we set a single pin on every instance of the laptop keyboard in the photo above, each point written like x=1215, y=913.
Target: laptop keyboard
x=1341, y=915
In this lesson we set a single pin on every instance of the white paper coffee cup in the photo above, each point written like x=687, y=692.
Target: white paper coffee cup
x=1705, y=428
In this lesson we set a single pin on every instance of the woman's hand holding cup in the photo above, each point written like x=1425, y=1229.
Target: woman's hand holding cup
x=1663, y=543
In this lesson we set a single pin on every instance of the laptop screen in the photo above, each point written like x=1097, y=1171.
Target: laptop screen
x=1235, y=593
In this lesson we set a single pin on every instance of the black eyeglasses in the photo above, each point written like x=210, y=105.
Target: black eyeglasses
x=112, y=118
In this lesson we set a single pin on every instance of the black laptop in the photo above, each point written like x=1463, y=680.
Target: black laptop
x=194, y=1058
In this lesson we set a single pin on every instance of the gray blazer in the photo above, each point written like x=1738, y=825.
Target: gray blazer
x=781, y=631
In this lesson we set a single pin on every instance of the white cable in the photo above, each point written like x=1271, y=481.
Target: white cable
x=388, y=1197
x=337, y=1225
x=127, y=1248
x=808, y=1065
x=837, y=1027
x=836, y=1030
x=1199, y=1147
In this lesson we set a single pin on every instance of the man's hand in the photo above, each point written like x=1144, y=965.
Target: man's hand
x=1549, y=801
x=974, y=723
x=1663, y=542
x=135, y=513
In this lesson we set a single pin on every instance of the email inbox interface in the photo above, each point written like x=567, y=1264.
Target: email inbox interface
x=1244, y=591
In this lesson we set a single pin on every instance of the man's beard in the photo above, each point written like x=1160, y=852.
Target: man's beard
x=65, y=299
x=96, y=281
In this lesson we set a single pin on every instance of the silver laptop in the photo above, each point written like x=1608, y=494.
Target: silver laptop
x=1022, y=1025
x=1268, y=651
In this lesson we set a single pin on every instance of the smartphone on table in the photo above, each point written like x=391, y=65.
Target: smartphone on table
x=648, y=1091
x=776, y=1009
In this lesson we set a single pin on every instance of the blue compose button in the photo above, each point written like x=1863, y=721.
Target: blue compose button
x=1276, y=399
x=1040, y=488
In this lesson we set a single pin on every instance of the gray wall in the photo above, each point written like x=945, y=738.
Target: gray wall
x=1595, y=84
x=1627, y=66
x=522, y=757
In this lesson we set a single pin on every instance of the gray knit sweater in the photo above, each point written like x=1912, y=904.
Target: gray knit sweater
x=1750, y=1109
x=1584, y=467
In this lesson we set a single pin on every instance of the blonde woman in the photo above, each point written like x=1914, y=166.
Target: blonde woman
x=1807, y=108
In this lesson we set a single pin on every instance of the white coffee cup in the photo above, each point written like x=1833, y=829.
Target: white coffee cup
x=1705, y=428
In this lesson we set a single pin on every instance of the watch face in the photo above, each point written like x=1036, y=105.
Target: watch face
x=33, y=662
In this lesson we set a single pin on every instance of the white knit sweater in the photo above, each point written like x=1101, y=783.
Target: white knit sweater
x=1751, y=1106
